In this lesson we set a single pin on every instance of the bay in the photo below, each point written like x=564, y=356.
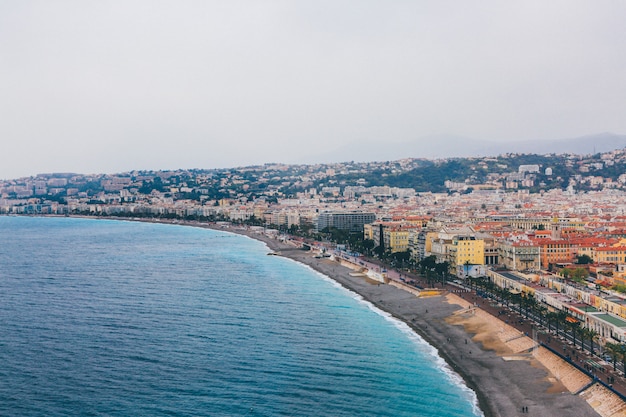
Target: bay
x=117, y=318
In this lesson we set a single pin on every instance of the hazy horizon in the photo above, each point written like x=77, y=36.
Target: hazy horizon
x=105, y=87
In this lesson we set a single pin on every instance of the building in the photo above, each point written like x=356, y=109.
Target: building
x=396, y=239
x=467, y=250
x=520, y=256
x=610, y=255
x=556, y=252
x=351, y=221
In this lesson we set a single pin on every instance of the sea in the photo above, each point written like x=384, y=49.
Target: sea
x=119, y=318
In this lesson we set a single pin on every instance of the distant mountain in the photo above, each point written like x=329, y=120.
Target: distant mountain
x=443, y=146
x=584, y=145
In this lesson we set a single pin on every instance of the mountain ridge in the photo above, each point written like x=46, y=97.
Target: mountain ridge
x=450, y=146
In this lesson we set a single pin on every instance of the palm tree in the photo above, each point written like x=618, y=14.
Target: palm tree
x=589, y=334
x=429, y=277
x=505, y=295
x=427, y=267
x=592, y=336
x=574, y=327
x=584, y=333
x=614, y=351
x=617, y=352
x=529, y=303
x=442, y=269
x=551, y=318
x=621, y=349
x=481, y=282
x=559, y=318
x=541, y=312
x=512, y=299
x=472, y=283
x=490, y=288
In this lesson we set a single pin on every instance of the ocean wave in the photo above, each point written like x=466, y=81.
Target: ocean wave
x=418, y=340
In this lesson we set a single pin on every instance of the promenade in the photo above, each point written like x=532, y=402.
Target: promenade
x=504, y=387
x=515, y=338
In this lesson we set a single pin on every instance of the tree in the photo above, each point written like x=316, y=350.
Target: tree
x=584, y=260
x=617, y=352
x=574, y=327
x=442, y=269
x=529, y=302
x=401, y=257
x=541, y=312
x=614, y=350
x=621, y=352
x=368, y=245
x=579, y=274
x=550, y=318
x=559, y=320
x=592, y=334
x=588, y=334
x=428, y=263
x=576, y=274
x=562, y=319
x=506, y=297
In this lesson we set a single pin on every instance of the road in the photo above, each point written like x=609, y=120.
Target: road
x=593, y=365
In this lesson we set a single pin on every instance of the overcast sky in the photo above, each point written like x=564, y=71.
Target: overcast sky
x=111, y=86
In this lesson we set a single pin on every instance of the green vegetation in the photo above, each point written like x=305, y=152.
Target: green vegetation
x=575, y=274
x=619, y=288
x=584, y=260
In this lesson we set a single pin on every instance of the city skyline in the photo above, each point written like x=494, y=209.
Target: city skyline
x=117, y=86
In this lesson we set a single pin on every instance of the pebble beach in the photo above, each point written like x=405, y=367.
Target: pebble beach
x=493, y=361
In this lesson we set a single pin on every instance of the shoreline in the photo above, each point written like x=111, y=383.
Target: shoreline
x=503, y=384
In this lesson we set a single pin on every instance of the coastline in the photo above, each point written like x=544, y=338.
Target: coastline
x=502, y=381
x=502, y=386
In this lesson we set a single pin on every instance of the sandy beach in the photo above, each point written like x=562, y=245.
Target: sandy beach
x=494, y=362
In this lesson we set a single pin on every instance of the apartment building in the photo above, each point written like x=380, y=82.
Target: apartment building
x=465, y=251
x=352, y=221
x=519, y=255
x=610, y=255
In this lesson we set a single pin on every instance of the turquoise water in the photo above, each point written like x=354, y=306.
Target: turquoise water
x=109, y=318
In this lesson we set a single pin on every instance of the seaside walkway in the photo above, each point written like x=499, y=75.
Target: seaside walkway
x=511, y=341
x=513, y=344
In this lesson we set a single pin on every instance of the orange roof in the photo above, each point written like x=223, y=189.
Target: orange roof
x=611, y=248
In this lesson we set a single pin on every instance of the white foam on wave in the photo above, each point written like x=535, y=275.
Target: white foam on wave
x=422, y=344
x=425, y=348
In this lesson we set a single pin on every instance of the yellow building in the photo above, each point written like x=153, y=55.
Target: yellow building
x=428, y=242
x=610, y=255
x=396, y=239
x=391, y=236
x=467, y=250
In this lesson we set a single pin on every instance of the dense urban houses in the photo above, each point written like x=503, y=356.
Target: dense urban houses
x=548, y=226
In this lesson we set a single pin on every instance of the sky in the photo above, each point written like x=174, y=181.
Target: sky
x=113, y=86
